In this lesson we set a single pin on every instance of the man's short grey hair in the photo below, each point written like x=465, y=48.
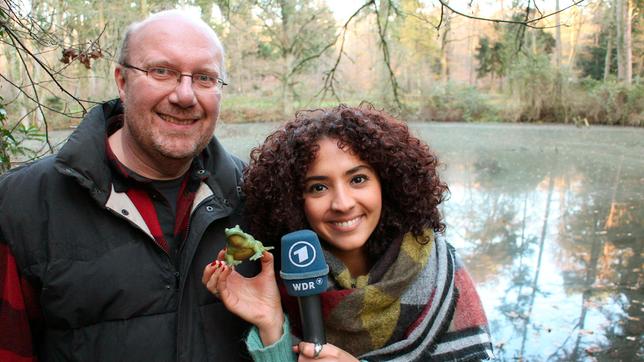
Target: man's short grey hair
x=124, y=49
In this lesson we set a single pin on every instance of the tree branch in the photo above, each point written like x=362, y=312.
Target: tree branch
x=16, y=39
x=38, y=104
x=21, y=90
x=329, y=77
x=527, y=22
x=385, y=54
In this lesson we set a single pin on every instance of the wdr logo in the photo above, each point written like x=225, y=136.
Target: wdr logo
x=301, y=254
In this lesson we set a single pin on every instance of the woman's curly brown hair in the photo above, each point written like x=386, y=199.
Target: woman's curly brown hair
x=406, y=167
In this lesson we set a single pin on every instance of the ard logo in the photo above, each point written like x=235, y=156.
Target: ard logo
x=301, y=254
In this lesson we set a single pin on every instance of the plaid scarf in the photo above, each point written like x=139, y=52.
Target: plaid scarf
x=417, y=303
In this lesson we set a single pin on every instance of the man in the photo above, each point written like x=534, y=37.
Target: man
x=103, y=245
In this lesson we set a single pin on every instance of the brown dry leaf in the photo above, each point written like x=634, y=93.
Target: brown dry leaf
x=585, y=332
x=593, y=349
x=590, y=304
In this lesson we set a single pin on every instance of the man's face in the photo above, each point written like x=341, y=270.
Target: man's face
x=161, y=123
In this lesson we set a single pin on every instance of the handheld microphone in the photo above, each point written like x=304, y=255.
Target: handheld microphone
x=304, y=272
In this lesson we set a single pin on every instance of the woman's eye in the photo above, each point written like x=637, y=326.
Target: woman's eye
x=317, y=188
x=359, y=179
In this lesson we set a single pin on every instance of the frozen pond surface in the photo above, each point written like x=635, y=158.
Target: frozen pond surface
x=549, y=222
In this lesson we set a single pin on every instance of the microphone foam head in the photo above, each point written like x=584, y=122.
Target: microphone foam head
x=304, y=270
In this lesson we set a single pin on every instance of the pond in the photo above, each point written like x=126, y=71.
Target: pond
x=548, y=220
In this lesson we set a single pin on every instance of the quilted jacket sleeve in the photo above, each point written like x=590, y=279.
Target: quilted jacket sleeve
x=19, y=312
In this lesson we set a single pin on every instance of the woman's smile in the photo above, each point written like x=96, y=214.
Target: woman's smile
x=347, y=225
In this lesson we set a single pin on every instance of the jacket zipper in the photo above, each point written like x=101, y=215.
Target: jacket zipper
x=139, y=228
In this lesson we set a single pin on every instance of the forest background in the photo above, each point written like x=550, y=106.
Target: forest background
x=564, y=61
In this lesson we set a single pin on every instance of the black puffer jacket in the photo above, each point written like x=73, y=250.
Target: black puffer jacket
x=107, y=291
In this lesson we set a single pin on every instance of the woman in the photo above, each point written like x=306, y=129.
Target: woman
x=371, y=191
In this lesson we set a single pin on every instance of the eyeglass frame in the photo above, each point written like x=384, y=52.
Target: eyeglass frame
x=219, y=84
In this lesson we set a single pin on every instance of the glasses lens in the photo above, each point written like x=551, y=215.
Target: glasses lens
x=162, y=74
x=168, y=79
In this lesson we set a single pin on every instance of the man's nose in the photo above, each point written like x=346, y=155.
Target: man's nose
x=183, y=95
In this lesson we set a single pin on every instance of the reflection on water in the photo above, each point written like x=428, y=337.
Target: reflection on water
x=549, y=222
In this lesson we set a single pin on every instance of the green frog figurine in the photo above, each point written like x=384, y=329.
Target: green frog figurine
x=242, y=246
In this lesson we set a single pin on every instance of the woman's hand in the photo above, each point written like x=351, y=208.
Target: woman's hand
x=329, y=352
x=255, y=300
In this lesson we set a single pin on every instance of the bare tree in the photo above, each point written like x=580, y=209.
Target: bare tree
x=22, y=35
x=531, y=19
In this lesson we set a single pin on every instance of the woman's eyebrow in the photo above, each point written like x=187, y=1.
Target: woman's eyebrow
x=358, y=169
x=315, y=178
x=351, y=171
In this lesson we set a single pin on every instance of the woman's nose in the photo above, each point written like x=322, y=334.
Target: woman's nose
x=342, y=200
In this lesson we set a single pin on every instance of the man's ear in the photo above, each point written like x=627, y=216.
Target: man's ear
x=119, y=77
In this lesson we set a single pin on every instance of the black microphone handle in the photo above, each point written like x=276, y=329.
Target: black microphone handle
x=311, y=317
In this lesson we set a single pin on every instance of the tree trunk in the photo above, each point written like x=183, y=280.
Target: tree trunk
x=628, y=42
x=5, y=161
x=287, y=9
x=445, y=49
x=94, y=73
x=560, y=114
x=471, y=48
x=557, y=38
x=619, y=32
x=609, y=53
x=575, y=39
x=287, y=100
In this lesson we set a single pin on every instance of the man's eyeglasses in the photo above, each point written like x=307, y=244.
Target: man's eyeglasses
x=167, y=78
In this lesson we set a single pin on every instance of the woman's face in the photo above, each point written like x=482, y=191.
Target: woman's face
x=342, y=197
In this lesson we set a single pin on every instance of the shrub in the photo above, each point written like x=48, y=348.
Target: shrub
x=533, y=85
x=609, y=102
x=457, y=103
